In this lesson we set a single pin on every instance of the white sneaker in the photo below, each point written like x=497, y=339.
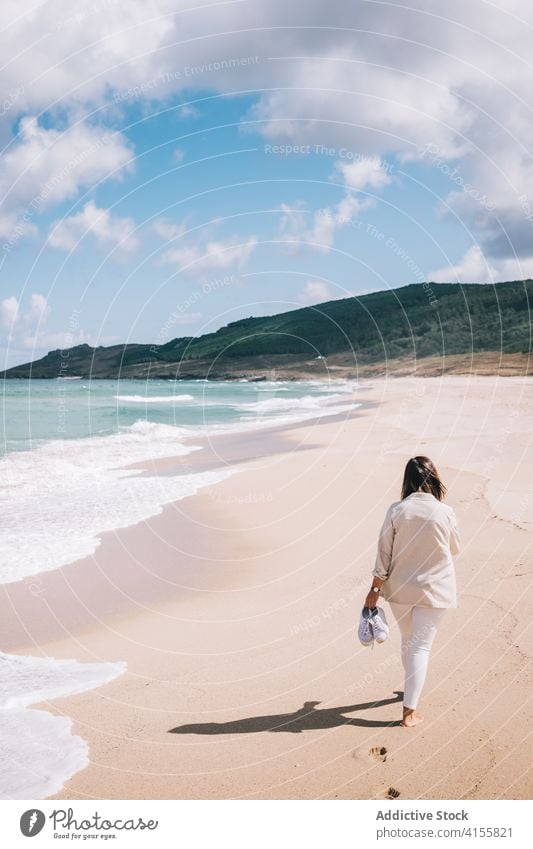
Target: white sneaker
x=365, y=633
x=378, y=624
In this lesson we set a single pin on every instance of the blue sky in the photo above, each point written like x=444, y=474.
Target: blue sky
x=169, y=170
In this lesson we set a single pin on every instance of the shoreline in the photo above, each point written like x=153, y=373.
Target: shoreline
x=39, y=598
x=273, y=609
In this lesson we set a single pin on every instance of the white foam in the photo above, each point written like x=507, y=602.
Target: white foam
x=58, y=499
x=290, y=410
x=26, y=680
x=154, y=399
x=272, y=405
x=270, y=386
x=275, y=412
x=39, y=751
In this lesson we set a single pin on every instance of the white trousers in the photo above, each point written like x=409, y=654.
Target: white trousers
x=418, y=627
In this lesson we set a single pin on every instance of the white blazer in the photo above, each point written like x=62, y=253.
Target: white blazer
x=414, y=558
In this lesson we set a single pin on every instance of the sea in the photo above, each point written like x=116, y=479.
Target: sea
x=66, y=454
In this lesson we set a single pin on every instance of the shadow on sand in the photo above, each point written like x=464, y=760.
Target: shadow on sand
x=307, y=718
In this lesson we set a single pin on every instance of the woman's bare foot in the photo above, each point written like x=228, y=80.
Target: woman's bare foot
x=411, y=717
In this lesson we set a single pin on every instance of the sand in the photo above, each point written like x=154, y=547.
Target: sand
x=236, y=611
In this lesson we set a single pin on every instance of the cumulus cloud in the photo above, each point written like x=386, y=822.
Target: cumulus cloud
x=67, y=55
x=472, y=268
x=23, y=324
x=212, y=255
x=315, y=292
x=335, y=73
x=9, y=310
x=187, y=111
x=364, y=172
x=300, y=226
x=46, y=166
x=476, y=267
x=12, y=317
x=38, y=310
x=26, y=329
x=108, y=229
x=316, y=229
x=44, y=340
x=194, y=256
x=167, y=229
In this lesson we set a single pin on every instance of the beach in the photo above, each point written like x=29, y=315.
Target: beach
x=236, y=608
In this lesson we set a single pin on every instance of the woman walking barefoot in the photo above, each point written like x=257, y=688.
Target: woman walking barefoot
x=414, y=571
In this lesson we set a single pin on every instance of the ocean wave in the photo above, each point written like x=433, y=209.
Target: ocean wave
x=153, y=399
x=271, y=386
x=39, y=750
x=273, y=405
x=262, y=421
x=57, y=500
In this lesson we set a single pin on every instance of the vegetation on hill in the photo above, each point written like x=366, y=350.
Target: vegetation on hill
x=414, y=322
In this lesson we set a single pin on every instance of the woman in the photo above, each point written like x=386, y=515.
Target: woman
x=414, y=571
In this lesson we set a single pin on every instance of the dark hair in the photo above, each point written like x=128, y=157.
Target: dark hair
x=421, y=474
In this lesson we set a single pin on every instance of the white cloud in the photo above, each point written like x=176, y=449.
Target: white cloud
x=46, y=166
x=43, y=341
x=108, y=229
x=475, y=267
x=300, y=227
x=368, y=172
x=350, y=207
x=22, y=326
x=212, y=255
x=178, y=155
x=514, y=268
x=315, y=292
x=458, y=78
x=188, y=111
x=167, y=229
x=383, y=82
x=372, y=94
x=9, y=310
x=38, y=310
x=204, y=253
x=317, y=229
x=78, y=54
x=27, y=329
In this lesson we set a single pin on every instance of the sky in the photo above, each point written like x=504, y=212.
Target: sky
x=168, y=166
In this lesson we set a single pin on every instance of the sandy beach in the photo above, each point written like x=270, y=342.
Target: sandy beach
x=236, y=612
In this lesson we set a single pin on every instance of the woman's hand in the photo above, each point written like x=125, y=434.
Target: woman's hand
x=372, y=599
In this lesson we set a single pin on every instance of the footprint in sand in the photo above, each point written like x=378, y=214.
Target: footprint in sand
x=378, y=752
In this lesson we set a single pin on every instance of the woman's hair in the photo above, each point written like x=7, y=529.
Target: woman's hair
x=421, y=474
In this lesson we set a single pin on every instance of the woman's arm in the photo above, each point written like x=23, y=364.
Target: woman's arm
x=455, y=539
x=383, y=559
x=372, y=598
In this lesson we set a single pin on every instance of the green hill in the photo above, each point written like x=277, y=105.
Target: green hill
x=398, y=329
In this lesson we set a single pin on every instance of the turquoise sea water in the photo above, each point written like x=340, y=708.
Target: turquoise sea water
x=37, y=411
